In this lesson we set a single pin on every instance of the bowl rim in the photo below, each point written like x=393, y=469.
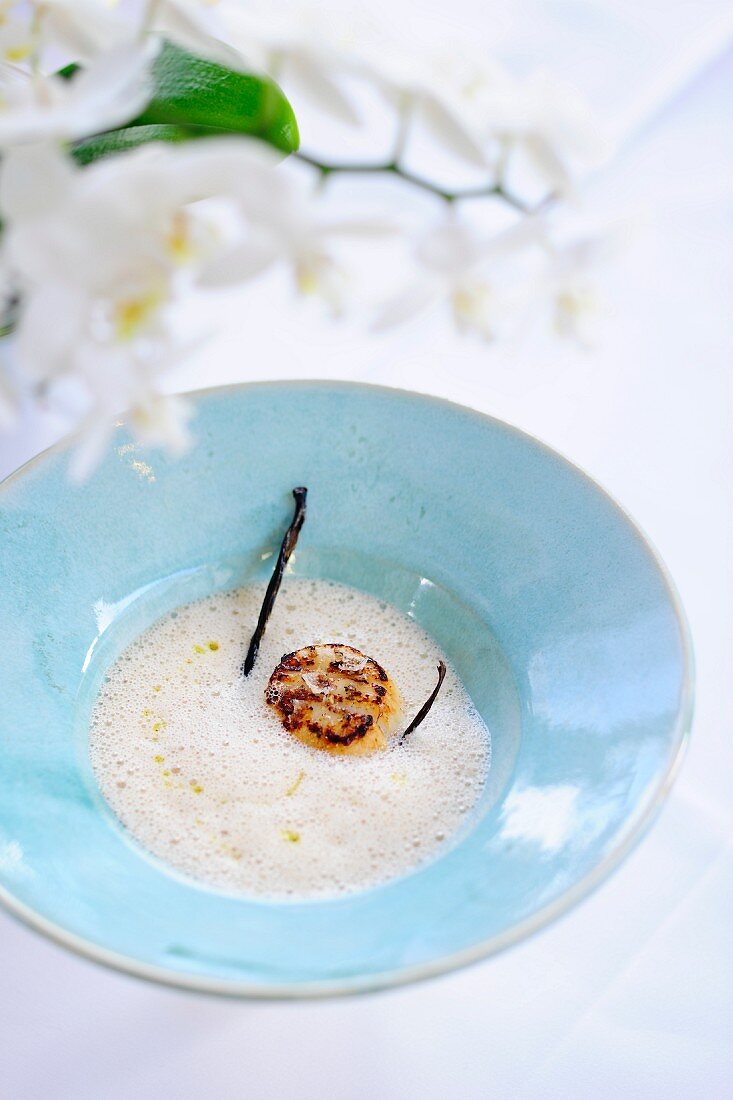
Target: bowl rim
x=639, y=825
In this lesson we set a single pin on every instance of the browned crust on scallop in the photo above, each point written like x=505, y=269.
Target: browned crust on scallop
x=334, y=697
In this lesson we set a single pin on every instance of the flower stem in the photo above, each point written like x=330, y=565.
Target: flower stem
x=393, y=167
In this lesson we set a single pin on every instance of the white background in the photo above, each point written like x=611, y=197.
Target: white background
x=631, y=993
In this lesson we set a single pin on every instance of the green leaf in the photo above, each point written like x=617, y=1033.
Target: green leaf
x=191, y=91
x=129, y=137
x=194, y=98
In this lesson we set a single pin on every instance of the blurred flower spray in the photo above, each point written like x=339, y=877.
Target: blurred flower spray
x=153, y=167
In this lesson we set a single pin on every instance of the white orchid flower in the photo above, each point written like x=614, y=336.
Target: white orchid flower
x=285, y=236
x=102, y=255
x=18, y=39
x=119, y=232
x=143, y=207
x=195, y=25
x=453, y=266
x=478, y=111
x=81, y=28
x=578, y=307
x=74, y=29
x=305, y=48
x=568, y=284
x=552, y=122
x=287, y=224
x=449, y=92
x=155, y=420
x=112, y=89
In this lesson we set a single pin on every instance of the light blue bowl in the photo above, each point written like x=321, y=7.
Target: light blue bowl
x=554, y=609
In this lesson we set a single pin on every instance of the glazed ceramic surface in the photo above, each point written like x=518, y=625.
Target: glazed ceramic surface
x=546, y=598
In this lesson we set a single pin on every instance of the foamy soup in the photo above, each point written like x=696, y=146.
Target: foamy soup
x=199, y=769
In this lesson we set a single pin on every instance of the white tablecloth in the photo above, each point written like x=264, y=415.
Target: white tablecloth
x=631, y=993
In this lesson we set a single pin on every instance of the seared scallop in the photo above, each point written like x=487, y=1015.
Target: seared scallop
x=335, y=698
